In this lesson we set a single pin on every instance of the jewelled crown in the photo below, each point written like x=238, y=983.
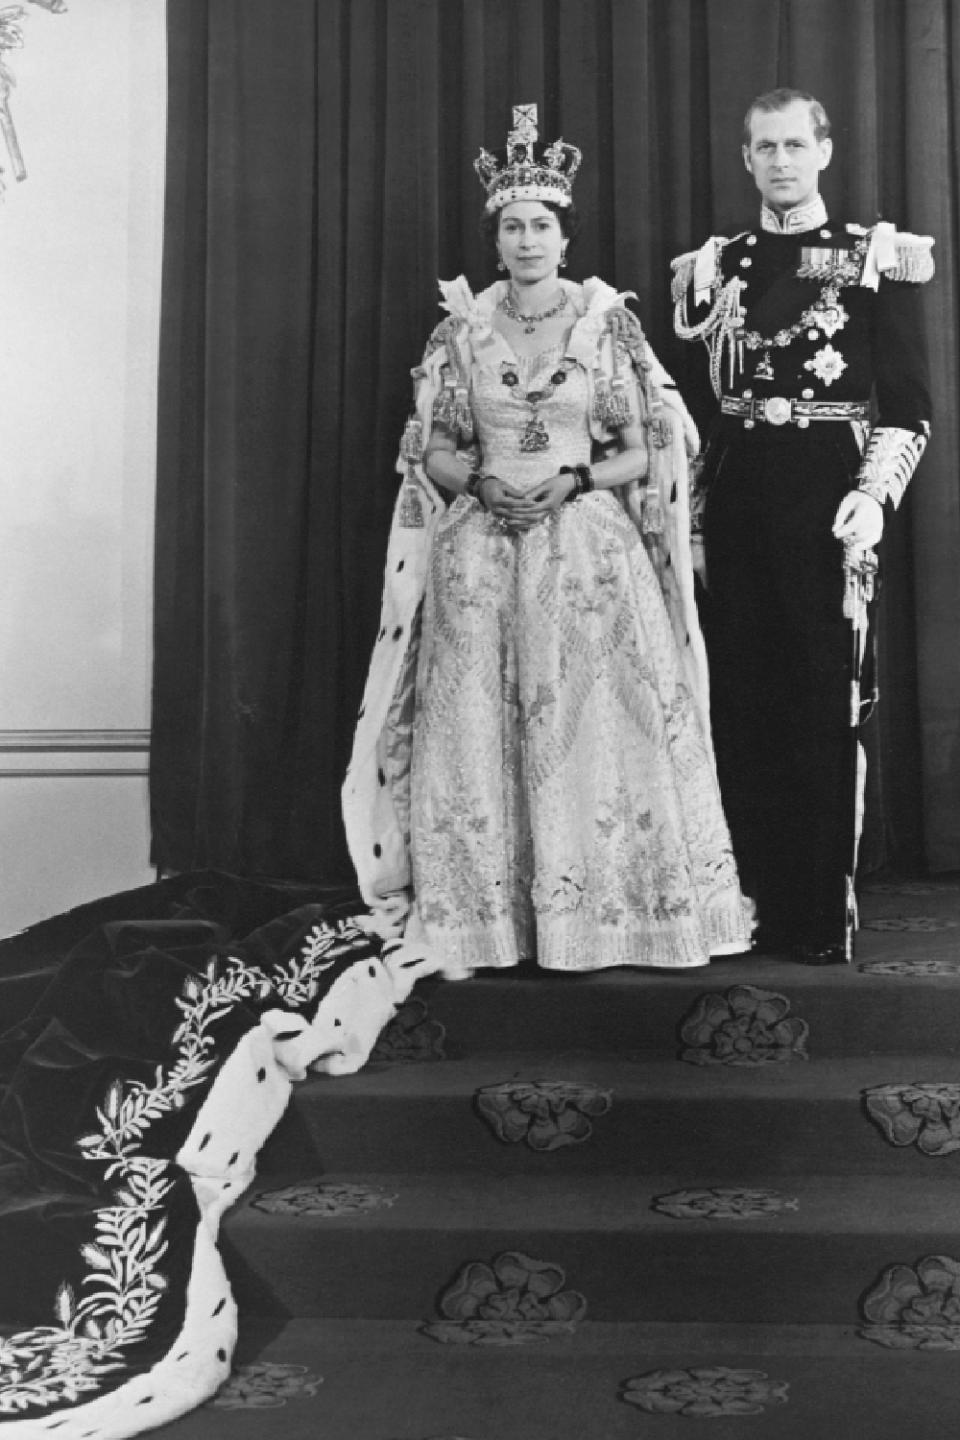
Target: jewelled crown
x=527, y=170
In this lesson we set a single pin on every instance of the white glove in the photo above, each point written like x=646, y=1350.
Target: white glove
x=859, y=520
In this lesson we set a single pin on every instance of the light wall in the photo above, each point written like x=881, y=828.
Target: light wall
x=80, y=252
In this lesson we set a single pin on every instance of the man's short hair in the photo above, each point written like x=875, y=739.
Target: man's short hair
x=779, y=99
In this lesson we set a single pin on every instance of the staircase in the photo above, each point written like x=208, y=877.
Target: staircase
x=599, y=1208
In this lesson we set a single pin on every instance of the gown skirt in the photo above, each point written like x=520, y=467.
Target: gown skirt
x=564, y=805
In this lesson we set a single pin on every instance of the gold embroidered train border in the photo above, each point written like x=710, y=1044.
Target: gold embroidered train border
x=62, y=1365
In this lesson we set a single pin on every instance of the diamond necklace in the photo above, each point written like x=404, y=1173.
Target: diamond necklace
x=530, y=322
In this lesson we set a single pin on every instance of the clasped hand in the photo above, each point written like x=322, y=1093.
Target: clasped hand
x=521, y=510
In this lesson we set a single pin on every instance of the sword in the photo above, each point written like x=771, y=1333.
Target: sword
x=860, y=568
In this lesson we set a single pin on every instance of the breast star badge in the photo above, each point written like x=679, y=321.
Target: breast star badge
x=831, y=319
x=828, y=364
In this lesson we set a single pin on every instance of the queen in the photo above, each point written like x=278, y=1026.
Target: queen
x=532, y=775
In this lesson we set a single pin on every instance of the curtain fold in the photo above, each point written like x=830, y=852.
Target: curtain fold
x=931, y=47
x=319, y=181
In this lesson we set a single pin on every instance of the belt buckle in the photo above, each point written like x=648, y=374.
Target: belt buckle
x=776, y=410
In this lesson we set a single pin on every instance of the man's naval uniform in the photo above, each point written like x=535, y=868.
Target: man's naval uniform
x=817, y=357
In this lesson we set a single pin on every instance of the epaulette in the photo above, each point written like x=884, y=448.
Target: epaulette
x=896, y=255
x=914, y=259
x=700, y=267
x=683, y=267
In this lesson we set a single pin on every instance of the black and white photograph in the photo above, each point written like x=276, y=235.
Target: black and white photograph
x=480, y=719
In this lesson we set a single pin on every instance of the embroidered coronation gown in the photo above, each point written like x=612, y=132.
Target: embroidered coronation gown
x=564, y=803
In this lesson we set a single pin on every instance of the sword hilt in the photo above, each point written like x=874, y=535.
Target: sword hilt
x=859, y=582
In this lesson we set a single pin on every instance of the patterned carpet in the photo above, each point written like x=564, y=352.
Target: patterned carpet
x=587, y=1209
x=605, y=1208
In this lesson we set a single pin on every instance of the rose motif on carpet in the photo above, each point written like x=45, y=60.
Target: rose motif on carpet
x=911, y=968
x=927, y=1116
x=513, y=1300
x=411, y=1038
x=319, y=1198
x=745, y=1027
x=546, y=1114
x=915, y=1308
x=704, y=1392
x=723, y=1203
x=265, y=1386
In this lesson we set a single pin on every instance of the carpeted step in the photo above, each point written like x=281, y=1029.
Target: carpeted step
x=377, y=1380
x=803, y=1250
x=848, y=1009
x=618, y=1115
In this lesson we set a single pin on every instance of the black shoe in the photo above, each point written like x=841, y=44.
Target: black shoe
x=820, y=954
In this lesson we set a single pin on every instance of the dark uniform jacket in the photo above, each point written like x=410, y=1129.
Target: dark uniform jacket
x=815, y=384
x=840, y=309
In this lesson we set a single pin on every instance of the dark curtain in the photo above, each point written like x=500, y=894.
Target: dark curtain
x=320, y=180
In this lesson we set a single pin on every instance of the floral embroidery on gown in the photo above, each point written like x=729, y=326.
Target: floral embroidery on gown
x=563, y=803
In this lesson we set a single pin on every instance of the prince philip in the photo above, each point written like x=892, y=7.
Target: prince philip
x=821, y=411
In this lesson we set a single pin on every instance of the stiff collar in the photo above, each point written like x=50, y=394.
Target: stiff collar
x=802, y=217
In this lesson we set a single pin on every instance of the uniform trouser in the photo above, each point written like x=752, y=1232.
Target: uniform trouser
x=779, y=651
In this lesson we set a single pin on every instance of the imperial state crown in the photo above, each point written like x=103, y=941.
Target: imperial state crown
x=528, y=170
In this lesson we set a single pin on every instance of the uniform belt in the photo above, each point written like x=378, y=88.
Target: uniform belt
x=777, y=410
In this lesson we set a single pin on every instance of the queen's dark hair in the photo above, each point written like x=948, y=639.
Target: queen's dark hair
x=566, y=214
